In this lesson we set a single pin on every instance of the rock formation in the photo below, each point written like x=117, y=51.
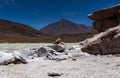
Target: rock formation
x=106, y=18
x=107, y=42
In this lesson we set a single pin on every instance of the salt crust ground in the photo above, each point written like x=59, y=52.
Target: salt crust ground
x=83, y=67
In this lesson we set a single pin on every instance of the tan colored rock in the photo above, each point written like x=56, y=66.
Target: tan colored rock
x=107, y=42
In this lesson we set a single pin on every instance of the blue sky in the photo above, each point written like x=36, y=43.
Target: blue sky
x=39, y=13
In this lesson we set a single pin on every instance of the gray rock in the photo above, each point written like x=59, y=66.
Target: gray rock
x=44, y=51
x=58, y=47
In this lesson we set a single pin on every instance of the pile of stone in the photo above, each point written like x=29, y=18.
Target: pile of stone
x=57, y=51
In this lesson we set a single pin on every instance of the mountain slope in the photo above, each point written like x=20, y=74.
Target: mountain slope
x=14, y=29
x=65, y=27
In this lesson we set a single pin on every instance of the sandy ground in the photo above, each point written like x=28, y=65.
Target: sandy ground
x=83, y=67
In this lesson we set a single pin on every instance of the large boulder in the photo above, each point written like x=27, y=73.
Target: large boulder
x=107, y=42
x=106, y=18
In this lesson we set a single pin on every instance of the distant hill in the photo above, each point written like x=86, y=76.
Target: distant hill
x=14, y=29
x=65, y=27
x=13, y=32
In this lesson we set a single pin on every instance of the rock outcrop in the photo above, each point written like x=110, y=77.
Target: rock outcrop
x=106, y=18
x=107, y=42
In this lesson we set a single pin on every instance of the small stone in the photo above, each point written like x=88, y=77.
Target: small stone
x=118, y=65
x=54, y=74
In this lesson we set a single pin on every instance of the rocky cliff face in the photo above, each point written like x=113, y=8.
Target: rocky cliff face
x=106, y=18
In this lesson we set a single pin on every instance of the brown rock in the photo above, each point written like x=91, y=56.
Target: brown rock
x=105, y=13
x=106, y=18
x=107, y=42
x=109, y=23
x=97, y=25
x=105, y=24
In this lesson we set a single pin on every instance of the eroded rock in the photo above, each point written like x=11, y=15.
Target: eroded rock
x=106, y=18
x=107, y=42
x=105, y=13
